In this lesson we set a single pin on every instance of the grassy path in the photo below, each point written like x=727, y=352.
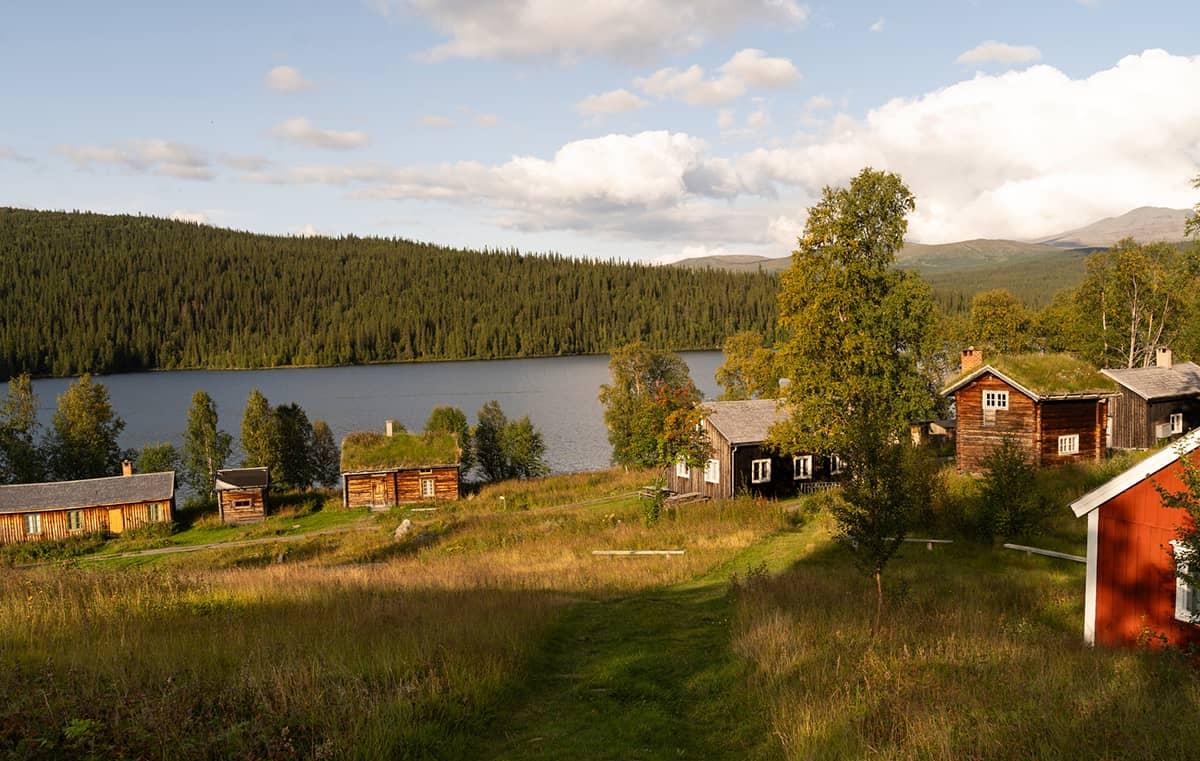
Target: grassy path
x=646, y=676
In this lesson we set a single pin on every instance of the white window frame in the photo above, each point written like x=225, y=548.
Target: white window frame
x=428, y=488
x=802, y=467
x=74, y=520
x=1187, y=598
x=33, y=524
x=1176, y=422
x=1069, y=444
x=683, y=470
x=760, y=471
x=836, y=465
x=712, y=472
x=994, y=399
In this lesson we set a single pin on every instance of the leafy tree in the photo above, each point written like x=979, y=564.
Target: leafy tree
x=1187, y=539
x=326, y=458
x=1192, y=226
x=20, y=460
x=258, y=432
x=859, y=332
x=453, y=420
x=206, y=448
x=157, y=458
x=749, y=370
x=489, y=444
x=83, y=442
x=999, y=321
x=1011, y=504
x=647, y=386
x=293, y=447
x=524, y=449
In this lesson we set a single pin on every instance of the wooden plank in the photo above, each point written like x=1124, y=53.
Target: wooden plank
x=629, y=553
x=1047, y=553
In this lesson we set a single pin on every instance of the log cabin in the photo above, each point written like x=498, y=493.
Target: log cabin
x=62, y=509
x=1153, y=403
x=1132, y=594
x=381, y=470
x=1053, y=406
x=242, y=494
x=741, y=461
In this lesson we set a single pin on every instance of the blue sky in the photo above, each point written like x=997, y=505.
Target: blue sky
x=583, y=128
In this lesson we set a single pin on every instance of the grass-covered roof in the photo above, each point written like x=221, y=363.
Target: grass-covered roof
x=1049, y=375
x=367, y=450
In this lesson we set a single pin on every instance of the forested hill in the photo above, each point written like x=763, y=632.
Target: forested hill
x=89, y=292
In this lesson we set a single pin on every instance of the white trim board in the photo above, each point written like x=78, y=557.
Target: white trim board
x=1135, y=475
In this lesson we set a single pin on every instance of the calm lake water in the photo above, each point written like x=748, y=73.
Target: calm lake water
x=558, y=394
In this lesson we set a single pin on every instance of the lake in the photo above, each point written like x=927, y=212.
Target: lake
x=558, y=394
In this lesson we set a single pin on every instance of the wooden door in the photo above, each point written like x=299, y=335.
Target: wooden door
x=116, y=520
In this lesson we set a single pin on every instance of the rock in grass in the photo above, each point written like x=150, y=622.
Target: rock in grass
x=402, y=530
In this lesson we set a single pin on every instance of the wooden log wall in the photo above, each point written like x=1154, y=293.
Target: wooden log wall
x=1083, y=418
x=55, y=524
x=253, y=512
x=400, y=486
x=976, y=439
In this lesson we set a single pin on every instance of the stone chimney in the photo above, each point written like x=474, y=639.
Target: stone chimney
x=389, y=428
x=971, y=359
x=127, y=467
x=1162, y=357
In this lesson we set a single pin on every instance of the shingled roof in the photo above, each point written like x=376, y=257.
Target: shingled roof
x=1150, y=383
x=745, y=422
x=243, y=478
x=91, y=492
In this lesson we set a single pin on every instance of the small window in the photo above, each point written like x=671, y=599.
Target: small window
x=1068, y=444
x=682, y=470
x=74, y=520
x=427, y=487
x=760, y=471
x=154, y=512
x=995, y=400
x=802, y=467
x=1176, y=422
x=33, y=524
x=836, y=466
x=242, y=503
x=712, y=472
x=1187, y=597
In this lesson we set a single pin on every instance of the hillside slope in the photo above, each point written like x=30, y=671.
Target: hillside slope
x=1146, y=224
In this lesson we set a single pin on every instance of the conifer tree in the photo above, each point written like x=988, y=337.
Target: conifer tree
x=325, y=456
x=489, y=444
x=258, y=422
x=453, y=420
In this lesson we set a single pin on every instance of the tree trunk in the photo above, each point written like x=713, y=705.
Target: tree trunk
x=878, y=600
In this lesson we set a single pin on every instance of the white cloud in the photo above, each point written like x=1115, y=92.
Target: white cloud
x=308, y=231
x=726, y=118
x=878, y=25
x=435, y=121
x=757, y=120
x=818, y=103
x=626, y=30
x=144, y=156
x=8, y=154
x=486, y=120
x=286, y=79
x=747, y=68
x=611, y=102
x=301, y=130
x=195, y=217
x=999, y=52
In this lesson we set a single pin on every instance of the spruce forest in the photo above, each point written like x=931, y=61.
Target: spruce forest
x=83, y=292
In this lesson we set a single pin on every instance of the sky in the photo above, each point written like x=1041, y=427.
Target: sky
x=633, y=129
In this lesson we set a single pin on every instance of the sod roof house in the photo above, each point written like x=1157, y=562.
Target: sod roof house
x=1053, y=406
x=380, y=470
x=1153, y=403
x=242, y=494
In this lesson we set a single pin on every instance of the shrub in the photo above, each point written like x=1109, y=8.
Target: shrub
x=47, y=550
x=1011, y=503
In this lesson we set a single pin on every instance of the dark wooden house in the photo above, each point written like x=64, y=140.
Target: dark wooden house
x=1053, y=406
x=61, y=509
x=1132, y=594
x=380, y=470
x=1153, y=403
x=740, y=461
x=242, y=494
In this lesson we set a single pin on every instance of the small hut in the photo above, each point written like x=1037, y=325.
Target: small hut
x=380, y=470
x=242, y=494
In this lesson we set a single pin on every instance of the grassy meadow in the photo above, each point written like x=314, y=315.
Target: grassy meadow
x=489, y=630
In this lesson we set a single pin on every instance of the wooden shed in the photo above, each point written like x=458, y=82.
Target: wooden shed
x=1132, y=593
x=380, y=470
x=1153, y=403
x=242, y=494
x=61, y=509
x=741, y=462
x=1053, y=406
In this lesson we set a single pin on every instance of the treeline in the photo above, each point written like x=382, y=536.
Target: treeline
x=82, y=292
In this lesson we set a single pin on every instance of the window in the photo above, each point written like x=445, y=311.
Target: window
x=33, y=524
x=1068, y=444
x=995, y=400
x=760, y=471
x=241, y=503
x=1187, y=597
x=682, y=470
x=836, y=466
x=1176, y=422
x=74, y=520
x=427, y=487
x=154, y=512
x=802, y=467
x=712, y=472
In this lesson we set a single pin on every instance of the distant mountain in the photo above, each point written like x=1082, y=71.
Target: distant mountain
x=1149, y=223
x=736, y=263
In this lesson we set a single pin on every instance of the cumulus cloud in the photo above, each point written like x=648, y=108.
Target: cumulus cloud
x=301, y=130
x=435, y=121
x=625, y=30
x=486, y=120
x=611, y=102
x=9, y=154
x=308, y=231
x=999, y=52
x=878, y=25
x=144, y=156
x=195, y=217
x=747, y=68
x=286, y=79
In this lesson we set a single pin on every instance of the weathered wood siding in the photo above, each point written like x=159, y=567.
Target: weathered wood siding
x=138, y=514
x=1130, y=422
x=975, y=440
x=254, y=512
x=94, y=520
x=721, y=452
x=1063, y=417
x=396, y=487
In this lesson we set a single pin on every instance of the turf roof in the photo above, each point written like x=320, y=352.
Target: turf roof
x=1049, y=374
x=367, y=450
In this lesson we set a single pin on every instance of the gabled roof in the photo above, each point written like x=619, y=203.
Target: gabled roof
x=90, y=492
x=745, y=422
x=1136, y=474
x=1150, y=383
x=370, y=452
x=243, y=478
x=1042, y=377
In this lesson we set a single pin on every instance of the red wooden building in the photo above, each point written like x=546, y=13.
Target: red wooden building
x=1132, y=591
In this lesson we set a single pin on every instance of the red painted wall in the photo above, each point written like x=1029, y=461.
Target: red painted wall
x=1135, y=573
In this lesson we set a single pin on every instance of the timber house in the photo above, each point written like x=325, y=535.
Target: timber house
x=1053, y=406
x=741, y=462
x=242, y=494
x=62, y=509
x=380, y=470
x=1154, y=403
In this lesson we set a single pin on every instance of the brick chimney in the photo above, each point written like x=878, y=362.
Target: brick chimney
x=1162, y=357
x=127, y=467
x=389, y=428
x=971, y=359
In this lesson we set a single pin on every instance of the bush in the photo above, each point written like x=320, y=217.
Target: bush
x=1011, y=502
x=46, y=550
